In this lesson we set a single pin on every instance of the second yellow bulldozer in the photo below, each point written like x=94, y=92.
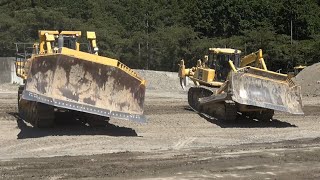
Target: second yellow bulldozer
x=227, y=86
x=59, y=77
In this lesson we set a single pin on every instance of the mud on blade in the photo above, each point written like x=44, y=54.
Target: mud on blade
x=81, y=85
x=267, y=91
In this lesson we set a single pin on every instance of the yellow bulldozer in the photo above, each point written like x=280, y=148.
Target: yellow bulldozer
x=59, y=76
x=296, y=70
x=227, y=86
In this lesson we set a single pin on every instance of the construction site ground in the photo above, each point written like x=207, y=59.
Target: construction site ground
x=175, y=143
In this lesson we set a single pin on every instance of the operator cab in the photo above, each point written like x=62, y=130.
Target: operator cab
x=298, y=69
x=219, y=61
x=68, y=41
x=52, y=41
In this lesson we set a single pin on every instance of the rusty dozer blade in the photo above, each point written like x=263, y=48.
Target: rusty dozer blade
x=77, y=84
x=256, y=87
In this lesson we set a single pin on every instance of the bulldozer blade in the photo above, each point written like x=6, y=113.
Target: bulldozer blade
x=71, y=83
x=266, y=90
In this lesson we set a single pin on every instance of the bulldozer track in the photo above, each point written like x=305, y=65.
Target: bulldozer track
x=38, y=114
x=44, y=115
x=195, y=93
x=95, y=120
x=263, y=115
x=225, y=110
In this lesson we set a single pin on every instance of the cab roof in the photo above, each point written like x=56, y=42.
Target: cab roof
x=224, y=51
x=43, y=32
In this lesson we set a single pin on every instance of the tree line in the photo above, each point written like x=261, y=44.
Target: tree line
x=156, y=34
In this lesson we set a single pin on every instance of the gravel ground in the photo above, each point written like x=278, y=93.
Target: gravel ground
x=175, y=143
x=171, y=125
x=8, y=88
x=162, y=81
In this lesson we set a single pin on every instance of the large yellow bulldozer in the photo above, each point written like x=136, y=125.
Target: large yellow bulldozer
x=227, y=86
x=58, y=77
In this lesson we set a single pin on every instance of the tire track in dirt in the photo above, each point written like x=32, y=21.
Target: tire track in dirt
x=183, y=143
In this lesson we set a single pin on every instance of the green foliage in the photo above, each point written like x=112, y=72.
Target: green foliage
x=156, y=34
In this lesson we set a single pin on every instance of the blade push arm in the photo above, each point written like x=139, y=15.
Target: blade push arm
x=254, y=57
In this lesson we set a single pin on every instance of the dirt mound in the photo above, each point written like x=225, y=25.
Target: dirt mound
x=161, y=80
x=309, y=80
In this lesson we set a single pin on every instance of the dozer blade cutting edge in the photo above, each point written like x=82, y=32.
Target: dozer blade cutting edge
x=267, y=90
x=69, y=82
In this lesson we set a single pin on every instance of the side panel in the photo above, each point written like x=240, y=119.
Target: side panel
x=73, y=83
